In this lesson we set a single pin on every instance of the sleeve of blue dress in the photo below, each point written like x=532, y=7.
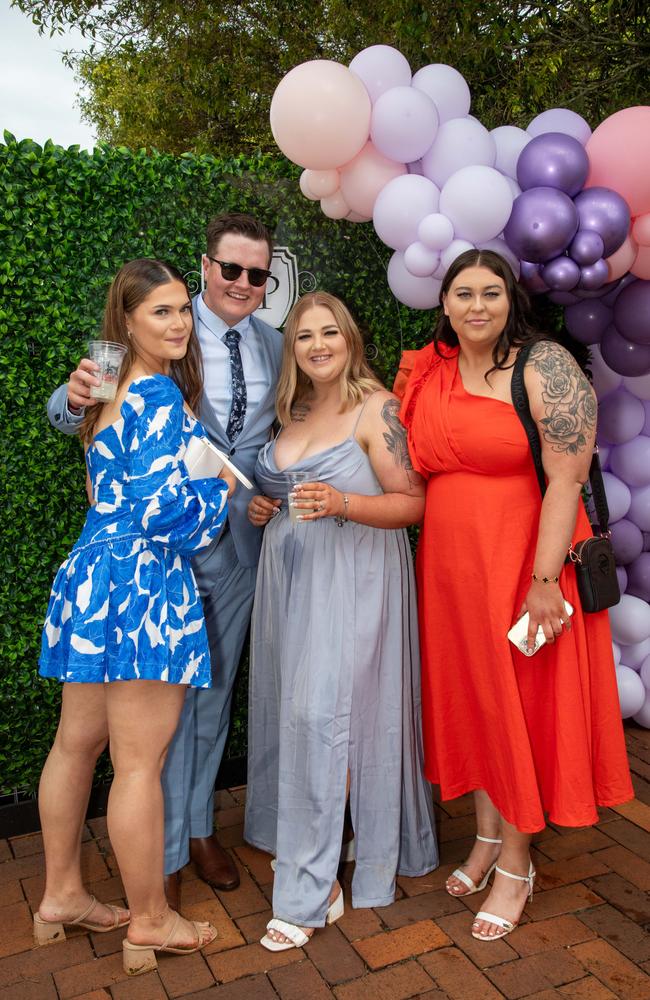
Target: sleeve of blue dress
x=169, y=507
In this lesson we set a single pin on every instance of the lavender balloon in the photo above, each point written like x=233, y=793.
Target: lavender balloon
x=631, y=692
x=586, y=247
x=623, y=355
x=561, y=274
x=631, y=462
x=560, y=120
x=639, y=509
x=542, y=224
x=554, y=160
x=620, y=417
x=621, y=576
x=594, y=276
x=618, y=496
x=606, y=213
x=627, y=541
x=588, y=320
x=634, y=655
x=632, y=312
x=638, y=574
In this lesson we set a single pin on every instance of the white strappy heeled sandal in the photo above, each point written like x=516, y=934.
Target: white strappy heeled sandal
x=466, y=880
x=506, y=926
x=296, y=935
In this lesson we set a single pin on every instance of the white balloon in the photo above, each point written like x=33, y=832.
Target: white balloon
x=420, y=261
x=418, y=293
x=460, y=142
x=631, y=692
x=630, y=620
x=446, y=87
x=509, y=141
x=455, y=249
x=642, y=717
x=644, y=672
x=514, y=187
x=400, y=206
x=478, y=202
x=618, y=496
x=403, y=124
x=604, y=379
x=616, y=650
x=435, y=231
x=638, y=385
x=633, y=656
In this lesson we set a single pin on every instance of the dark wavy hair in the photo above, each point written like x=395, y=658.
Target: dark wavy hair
x=132, y=284
x=519, y=328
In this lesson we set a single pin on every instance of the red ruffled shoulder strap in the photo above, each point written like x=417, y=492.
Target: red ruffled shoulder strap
x=415, y=368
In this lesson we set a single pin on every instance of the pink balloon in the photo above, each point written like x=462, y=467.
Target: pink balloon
x=641, y=266
x=355, y=217
x=364, y=177
x=320, y=114
x=323, y=183
x=381, y=67
x=335, y=206
x=621, y=260
x=641, y=229
x=304, y=186
x=619, y=153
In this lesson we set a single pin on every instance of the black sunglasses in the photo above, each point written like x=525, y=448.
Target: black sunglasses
x=230, y=272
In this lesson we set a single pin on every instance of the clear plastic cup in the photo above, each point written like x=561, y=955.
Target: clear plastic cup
x=293, y=478
x=109, y=356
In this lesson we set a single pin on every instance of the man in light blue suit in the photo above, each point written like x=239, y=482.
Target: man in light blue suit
x=241, y=358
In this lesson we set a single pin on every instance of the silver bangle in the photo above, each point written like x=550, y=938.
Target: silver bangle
x=342, y=518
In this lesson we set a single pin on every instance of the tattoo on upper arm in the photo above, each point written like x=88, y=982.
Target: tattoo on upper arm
x=299, y=411
x=570, y=406
x=395, y=436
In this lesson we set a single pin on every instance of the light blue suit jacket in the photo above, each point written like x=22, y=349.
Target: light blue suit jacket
x=244, y=451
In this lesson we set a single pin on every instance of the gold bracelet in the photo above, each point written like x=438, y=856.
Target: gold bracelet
x=545, y=579
x=342, y=518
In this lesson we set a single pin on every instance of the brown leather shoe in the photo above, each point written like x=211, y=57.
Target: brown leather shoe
x=173, y=891
x=213, y=864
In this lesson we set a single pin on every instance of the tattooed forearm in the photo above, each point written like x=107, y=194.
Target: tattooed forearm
x=569, y=402
x=299, y=411
x=395, y=436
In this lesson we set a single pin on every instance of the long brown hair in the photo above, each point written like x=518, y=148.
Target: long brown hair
x=132, y=284
x=357, y=378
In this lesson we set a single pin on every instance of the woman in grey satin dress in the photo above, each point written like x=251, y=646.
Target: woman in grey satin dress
x=334, y=704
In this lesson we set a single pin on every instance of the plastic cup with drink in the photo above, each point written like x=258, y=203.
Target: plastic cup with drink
x=293, y=479
x=109, y=357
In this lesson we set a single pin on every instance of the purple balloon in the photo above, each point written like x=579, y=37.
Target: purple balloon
x=554, y=160
x=606, y=213
x=621, y=576
x=594, y=276
x=638, y=575
x=621, y=417
x=542, y=224
x=627, y=541
x=646, y=426
x=618, y=495
x=639, y=509
x=563, y=298
x=531, y=275
x=623, y=355
x=631, y=461
x=597, y=293
x=610, y=297
x=588, y=320
x=632, y=312
x=561, y=274
x=586, y=247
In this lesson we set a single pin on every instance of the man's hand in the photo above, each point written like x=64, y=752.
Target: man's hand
x=81, y=379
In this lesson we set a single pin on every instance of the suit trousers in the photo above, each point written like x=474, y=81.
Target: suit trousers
x=227, y=590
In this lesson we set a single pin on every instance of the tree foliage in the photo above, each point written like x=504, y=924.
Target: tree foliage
x=200, y=76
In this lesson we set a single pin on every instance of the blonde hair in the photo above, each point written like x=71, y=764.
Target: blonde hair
x=357, y=378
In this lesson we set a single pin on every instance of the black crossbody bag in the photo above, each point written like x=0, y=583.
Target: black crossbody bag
x=593, y=558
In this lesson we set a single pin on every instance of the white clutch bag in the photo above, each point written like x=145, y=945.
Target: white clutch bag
x=204, y=461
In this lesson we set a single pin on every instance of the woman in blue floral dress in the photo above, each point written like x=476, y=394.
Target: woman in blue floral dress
x=124, y=629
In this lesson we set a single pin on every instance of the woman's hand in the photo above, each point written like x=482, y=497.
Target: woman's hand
x=316, y=500
x=545, y=605
x=229, y=479
x=261, y=509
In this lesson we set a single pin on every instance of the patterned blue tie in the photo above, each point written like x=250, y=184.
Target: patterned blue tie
x=238, y=404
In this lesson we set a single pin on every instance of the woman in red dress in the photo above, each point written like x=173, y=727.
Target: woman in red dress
x=532, y=736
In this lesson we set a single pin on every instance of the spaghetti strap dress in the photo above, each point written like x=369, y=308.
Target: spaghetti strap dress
x=541, y=734
x=335, y=685
x=124, y=604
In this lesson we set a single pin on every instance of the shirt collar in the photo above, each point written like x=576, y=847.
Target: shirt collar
x=216, y=325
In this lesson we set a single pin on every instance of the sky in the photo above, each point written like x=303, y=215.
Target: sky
x=38, y=94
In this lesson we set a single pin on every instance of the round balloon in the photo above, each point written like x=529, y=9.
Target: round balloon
x=631, y=461
x=460, y=142
x=335, y=206
x=618, y=496
x=588, y=320
x=593, y=276
x=644, y=672
x=365, y=176
x=542, y=224
x=606, y=213
x=620, y=417
x=553, y=160
x=631, y=692
x=560, y=120
x=400, y=207
x=500, y=246
x=621, y=576
x=403, y=123
x=446, y=87
x=531, y=275
x=436, y=231
x=638, y=574
x=381, y=67
x=619, y=153
x=561, y=274
x=320, y=114
x=477, y=201
x=641, y=266
x=630, y=620
x=627, y=541
x=641, y=229
x=604, y=379
x=622, y=259
x=420, y=261
x=623, y=355
x=632, y=312
x=455, y=249
x=322, y=183
x=509, y=141
x=642, y=717
x=639, y=509
x=639, y=387
x=586, y=247
x=304, y=186
x=418, y=293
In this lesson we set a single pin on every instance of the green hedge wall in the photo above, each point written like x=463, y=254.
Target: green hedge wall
x=68, y=220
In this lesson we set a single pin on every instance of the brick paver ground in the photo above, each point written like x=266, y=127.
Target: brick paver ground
x=585, y=935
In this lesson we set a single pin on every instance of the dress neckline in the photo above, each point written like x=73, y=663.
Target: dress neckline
x=476, y=395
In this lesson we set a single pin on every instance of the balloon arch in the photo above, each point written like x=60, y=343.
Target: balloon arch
x=570, y=210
